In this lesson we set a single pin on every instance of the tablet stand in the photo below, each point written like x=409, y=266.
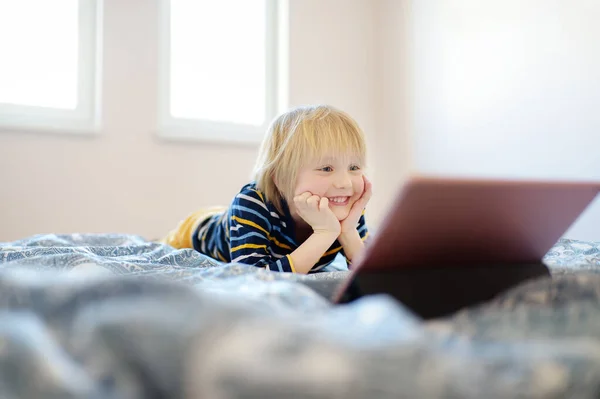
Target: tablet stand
x=440, y=291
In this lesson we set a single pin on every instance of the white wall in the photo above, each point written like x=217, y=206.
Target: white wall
x=126, y=180
x=507, y=88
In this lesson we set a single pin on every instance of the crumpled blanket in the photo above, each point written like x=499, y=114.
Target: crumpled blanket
x=113, y=316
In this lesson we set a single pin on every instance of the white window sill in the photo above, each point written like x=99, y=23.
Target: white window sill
x=211, y=132
x=74, y=126
x=51, y=130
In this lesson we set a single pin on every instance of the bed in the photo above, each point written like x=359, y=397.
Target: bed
x=116, y=316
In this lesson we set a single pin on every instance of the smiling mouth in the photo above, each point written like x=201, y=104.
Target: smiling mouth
x=338, y=201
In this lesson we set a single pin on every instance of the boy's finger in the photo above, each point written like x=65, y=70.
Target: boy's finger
x=313, y=201
x=324, y=203
x=299, y=199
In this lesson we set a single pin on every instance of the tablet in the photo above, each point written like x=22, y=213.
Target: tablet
x=446, y=243
x=448, y=221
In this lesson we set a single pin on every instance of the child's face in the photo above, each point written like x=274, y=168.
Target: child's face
x=339, y=178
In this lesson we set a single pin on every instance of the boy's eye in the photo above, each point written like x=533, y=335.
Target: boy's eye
x=354, y=167
x=327, y=169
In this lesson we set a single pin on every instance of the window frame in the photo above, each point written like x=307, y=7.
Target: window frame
x=185, y=129
x=85, y=118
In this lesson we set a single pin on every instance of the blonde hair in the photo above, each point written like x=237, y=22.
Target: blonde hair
x=302, y=134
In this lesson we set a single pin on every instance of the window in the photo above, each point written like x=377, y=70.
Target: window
x=218, y=69
x=48, y=65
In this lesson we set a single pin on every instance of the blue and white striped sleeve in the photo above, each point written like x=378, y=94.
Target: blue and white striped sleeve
x=363, y=231
x=250, y=237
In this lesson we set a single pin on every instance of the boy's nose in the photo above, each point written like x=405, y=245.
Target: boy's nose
x=342, y=181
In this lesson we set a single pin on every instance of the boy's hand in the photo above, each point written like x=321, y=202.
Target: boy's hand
x=315, y=211
x=349, y=224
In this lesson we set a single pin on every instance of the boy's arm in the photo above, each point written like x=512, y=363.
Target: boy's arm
x=315, y=211
x=311, y=250
x=354, y=229
x=352, y=244
x=250, y=245
x=251, y=242
x=353, y=241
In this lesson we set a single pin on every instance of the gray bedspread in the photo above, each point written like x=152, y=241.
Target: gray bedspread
x=112, y=316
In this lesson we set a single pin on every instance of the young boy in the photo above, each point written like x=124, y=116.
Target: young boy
x=305, y=205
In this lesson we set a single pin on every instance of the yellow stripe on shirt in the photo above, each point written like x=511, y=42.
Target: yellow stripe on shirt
x=249, y=223
x=260, y=195
x=221, y=256
x=334, y=250
x=280, y=245
x=291, y=263
x=248, y=246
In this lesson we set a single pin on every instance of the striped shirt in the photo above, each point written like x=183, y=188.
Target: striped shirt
x=253, y=232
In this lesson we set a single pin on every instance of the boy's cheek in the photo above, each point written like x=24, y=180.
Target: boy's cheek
x=300, y=192
x=359, y=185
x=311, y=189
